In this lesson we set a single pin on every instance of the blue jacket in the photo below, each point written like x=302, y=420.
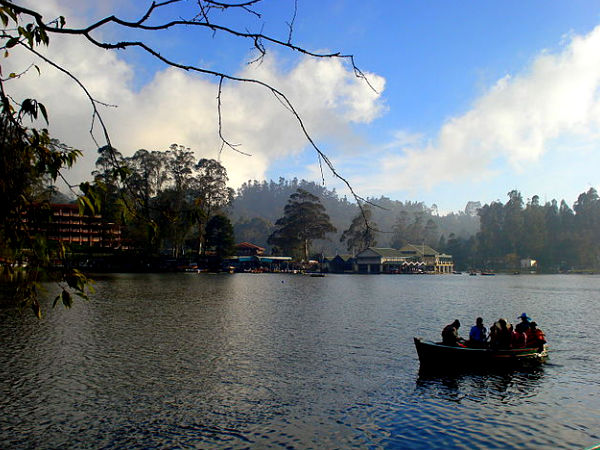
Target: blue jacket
x=478, y=334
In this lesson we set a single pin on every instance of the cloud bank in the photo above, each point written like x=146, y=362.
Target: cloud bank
x=181, y=107
x=510, y=127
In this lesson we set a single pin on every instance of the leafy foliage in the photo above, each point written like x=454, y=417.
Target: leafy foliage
x=163, y=200
x=29, y=162
x=219, y=238
x=211, y=194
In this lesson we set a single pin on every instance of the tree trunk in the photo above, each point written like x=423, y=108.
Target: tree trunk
x=200, y=246
x=306, y=250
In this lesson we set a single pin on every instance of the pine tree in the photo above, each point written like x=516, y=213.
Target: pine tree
x=304, y=219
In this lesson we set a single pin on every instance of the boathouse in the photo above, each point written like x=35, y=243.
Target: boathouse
x=434, y=262
x=409, y=259
x=379, y=260
x=339, y=264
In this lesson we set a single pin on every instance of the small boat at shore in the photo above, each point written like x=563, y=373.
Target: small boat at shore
x=434, y=355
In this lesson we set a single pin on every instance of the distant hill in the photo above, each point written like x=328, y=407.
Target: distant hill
x=257, y=205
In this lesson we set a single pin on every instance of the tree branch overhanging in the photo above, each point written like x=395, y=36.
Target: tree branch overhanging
x=57, y=26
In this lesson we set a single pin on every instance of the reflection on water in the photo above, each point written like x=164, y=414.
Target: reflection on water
x=504, y=386
x=206, y=361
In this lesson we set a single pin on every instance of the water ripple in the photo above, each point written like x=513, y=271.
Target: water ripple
x=180, y=361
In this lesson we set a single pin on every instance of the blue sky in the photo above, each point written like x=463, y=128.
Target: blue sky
x=474, y=98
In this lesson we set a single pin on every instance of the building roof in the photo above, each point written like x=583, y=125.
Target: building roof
x=249, y=245
x=381, y=251
x=418, y=249
x=261, y=258
x=344, y=257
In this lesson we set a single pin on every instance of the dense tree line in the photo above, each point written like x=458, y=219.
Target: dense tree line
x=556, y=236
x=167, y=202
x=492, y=236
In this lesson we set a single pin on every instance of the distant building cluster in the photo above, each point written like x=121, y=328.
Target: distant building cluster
x=68, y=226
x=409, y=259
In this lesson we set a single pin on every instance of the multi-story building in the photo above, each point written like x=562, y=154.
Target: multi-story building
x=68, y=226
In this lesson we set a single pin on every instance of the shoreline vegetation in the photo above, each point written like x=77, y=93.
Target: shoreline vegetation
x=496, y=237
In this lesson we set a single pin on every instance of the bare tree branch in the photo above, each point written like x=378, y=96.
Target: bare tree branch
x=95, y=113
x=220, y=126
x=201, y=21
x=257, y=38
x=291, y=24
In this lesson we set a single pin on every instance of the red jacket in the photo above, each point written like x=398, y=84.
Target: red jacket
x=535, y=338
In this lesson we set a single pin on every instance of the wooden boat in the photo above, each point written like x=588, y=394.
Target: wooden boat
x=438, y=356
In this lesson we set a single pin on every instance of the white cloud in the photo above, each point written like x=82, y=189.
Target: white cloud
x=180, y=107
x=516, y=122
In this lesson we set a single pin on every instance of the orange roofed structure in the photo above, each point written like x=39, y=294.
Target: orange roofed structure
x=248, y=249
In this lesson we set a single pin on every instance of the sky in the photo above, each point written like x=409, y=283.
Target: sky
x=465, y=101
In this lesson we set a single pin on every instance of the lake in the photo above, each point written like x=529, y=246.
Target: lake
x=292, y=361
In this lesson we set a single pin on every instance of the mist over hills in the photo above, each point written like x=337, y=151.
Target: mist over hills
x=257, y=205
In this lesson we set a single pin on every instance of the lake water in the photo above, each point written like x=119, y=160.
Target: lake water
x=291, y=361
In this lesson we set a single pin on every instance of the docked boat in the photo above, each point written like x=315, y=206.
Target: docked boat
x=435, y=355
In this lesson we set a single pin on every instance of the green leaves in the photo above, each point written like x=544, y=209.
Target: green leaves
x=85, y=205
x=30, y=161
x=31, y=33
x=7, y=12
x=77, y=282
x=12, y=42
x=66, y=299
x=31, y=107
x=34, y=35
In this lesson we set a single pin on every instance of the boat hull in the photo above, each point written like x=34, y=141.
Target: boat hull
x=443, y=357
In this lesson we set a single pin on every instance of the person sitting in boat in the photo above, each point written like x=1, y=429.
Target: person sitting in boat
x=450, y=335
x=501, y=334
x=519, y=340
x=519, y=337
x=523, y=325
x=535, y=337
x=478, y=336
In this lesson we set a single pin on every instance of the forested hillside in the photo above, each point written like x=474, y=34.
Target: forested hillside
x=557, y=236
x=257, y=205
x=168, y=199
